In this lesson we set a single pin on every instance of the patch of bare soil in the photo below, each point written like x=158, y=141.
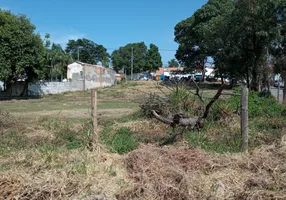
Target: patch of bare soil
x=75, y=113
x=188, y=173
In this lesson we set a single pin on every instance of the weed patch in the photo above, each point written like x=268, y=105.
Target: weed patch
x=122, y=141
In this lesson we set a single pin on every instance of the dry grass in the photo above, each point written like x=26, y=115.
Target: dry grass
x=188, y=173
x=47, y=171
x=61, y=175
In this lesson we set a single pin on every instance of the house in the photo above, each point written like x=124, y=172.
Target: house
x=90, y=76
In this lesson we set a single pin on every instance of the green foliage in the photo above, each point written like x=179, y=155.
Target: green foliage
x=259, y=106
x=58, y=60
x=143, y=59
x=182, y=99
x=121, y=58
x=173, y=63
x=237, y=34
x=154, y=59
x=224, y=145
x=12, y=141
x=21, y=50
x=89, y=51
x=63, y=137
x=123, y=141
x=197, y=34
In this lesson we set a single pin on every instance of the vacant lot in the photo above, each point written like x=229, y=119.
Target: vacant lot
x=44, y=149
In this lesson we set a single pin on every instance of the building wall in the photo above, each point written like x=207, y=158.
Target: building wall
x=97, y=76
x=74, y=68
x=41, y=88
x=80, y=76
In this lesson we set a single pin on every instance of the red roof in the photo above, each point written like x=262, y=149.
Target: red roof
x=168, y=69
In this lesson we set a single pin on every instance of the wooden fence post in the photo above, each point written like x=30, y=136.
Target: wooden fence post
x=94, y=119
x=244, y=117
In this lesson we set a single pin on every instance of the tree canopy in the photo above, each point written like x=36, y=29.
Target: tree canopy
x=154, y=59
x=143, y=59
x=88, y=51
x=173, y=63
x=237, y=34
x=21, y=50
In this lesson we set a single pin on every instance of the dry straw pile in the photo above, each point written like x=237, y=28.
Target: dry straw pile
x=188, y=173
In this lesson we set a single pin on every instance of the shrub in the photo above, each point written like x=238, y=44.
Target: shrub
x=259, y=105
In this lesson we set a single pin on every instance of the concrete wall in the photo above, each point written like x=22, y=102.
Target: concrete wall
x=94, y=77
x=48, y=88
x=81, y=76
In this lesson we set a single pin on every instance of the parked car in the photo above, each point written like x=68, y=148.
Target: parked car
x=281, y=83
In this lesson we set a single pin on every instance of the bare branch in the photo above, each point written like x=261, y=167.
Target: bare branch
x=198, y=91
x=212, y=101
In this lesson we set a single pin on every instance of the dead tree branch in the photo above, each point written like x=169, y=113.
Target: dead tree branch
x=194, y=122
x=212, y=101
x=198, y=91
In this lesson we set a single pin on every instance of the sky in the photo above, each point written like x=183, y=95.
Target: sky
x=111, y=23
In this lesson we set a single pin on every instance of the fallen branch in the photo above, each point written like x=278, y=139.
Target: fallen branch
x=195, y=122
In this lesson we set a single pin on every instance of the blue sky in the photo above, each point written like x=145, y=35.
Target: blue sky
x=112, y=23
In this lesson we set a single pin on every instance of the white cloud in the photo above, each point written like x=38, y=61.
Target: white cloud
x=63, y=38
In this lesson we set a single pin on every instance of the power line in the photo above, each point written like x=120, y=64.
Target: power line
x=143, y=49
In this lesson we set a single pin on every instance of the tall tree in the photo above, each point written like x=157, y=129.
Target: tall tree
x=59, y=61
x=121, y=58
x=279, y=47
x=253, y=29
x=21, y=50
x=195, y=35
x=154, y=59
x=173, y=63
x=88, y=51
x=56, y=60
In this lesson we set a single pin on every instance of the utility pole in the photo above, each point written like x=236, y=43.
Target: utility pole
x=132, y=57
x=77, y=53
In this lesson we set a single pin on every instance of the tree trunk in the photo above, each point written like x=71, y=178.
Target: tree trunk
x=255, y=80
x=203, y=72
x=25, y=90
x=221, y=79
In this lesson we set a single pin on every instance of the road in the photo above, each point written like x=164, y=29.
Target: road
x=274, y=91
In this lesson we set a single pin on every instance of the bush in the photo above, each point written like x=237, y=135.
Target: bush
x=258, y=105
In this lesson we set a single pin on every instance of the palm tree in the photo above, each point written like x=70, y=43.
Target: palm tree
x=59, y=61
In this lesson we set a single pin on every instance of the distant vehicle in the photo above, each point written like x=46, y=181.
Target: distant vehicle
x=198, y=77
x=276, y=82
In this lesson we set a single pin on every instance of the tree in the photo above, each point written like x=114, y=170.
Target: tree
x=279, y=48
x=88, y=51
x=253, y=30
x=198, y=36
x=173, y=63
x=280, y=67
x=237, y=34
x=59, y=61
x=56, y=60
x=21, y=50
x=121, y=58
x=154, y=59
